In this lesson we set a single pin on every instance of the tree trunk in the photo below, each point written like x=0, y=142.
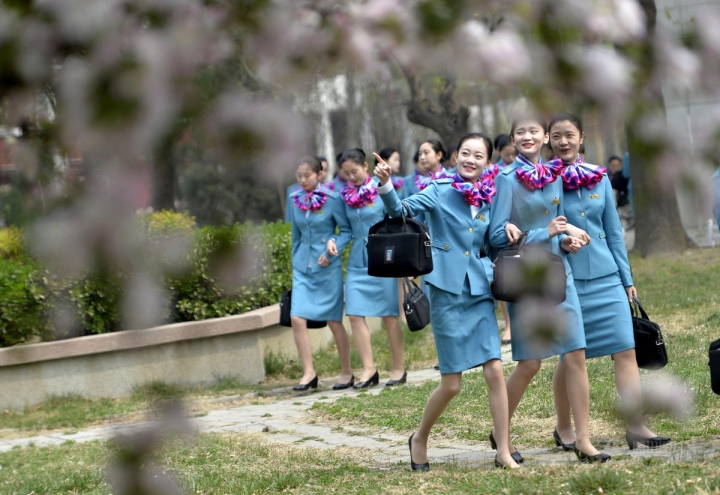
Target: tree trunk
x=658, y=228
x=443, y=116
x=164, y=177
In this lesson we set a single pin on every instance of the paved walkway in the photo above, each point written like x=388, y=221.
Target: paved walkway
x=287, y=422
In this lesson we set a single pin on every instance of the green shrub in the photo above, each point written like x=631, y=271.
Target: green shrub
x=257, y=257
x=22, y=303
x=166, y=224
x=265, y=254
x=11, y=244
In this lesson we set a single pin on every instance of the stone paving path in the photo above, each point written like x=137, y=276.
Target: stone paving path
x=287, y=422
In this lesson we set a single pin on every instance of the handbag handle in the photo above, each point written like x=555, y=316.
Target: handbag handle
x=410, y=285
x=402, y=214
x=636, y=307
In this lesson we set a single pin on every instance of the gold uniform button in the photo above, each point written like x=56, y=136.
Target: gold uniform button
x=324, y=240
x=446, y=246
x=478, y=216
x=467, y=253
x=547, y=212
x=470, y=230
x=582, y=214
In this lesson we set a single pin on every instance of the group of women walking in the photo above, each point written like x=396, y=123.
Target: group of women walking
x=563, y=204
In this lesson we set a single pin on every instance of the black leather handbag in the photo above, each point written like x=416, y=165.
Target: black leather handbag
x=524, y=270
x=399, y=247
x=650, y=351
x=285, y=321
x=416, y=306
x=715, y=366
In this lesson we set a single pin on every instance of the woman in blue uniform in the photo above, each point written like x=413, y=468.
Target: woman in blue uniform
x=602, y=276
x=530, y=199
x=392, y=158
x=317, y=275
x=461, y=305
x=365, y=295
x=428, y=168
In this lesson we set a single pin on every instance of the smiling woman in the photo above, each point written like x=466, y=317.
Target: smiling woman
x=461, y=305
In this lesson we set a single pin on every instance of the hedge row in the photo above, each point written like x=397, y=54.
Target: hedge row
x=225, y=271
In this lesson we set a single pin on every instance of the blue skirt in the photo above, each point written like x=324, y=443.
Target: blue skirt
x=370, y=296
x=318, y=295
x=465, y=329
x=572, y=337
x=606, y=315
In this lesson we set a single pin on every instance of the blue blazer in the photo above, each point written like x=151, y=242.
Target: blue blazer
x=289, y=202
x=594, y=212
x=310, y=233
x=531, y=211
x=360, y=221
x=716, y=195
x=458, y=238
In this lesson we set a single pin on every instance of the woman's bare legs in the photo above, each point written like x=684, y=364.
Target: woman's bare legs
x=343, y=346
x=437, y=402
x=361, y=336
x=497, y=397
x=516, y=384
x=302, y=342
x=506, y=333
x=395, y=338
x=578, y=392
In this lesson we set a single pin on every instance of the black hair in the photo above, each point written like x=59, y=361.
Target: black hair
x=416, y=157
x=437, y=148
x=614, y=157
x=574, y=120
x=387, y=152
x=501, y=140
x=337, y=158
x=451, y=150
x=355, y=155
x=581, y=148
x=530, y=116
x=321, y=159
x=311, y=162
x=477, y=135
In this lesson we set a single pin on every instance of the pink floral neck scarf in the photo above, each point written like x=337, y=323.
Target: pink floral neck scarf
x=474, y=193
x=535, y=176
x=578, y=174
x=397, y=182
x=312, y=200
x=422, y=181
x=357, y=197
x=490, y=172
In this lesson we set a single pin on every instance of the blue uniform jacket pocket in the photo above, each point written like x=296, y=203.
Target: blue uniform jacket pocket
x=440, y=244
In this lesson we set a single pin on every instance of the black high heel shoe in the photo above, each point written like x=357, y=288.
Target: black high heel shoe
x=515, y=455
x=416, y=467
x=343, y=386
x=591, y=459
x=391, y=383
x=374, y=380
x=303, y=387
x=652, y=442
x=567, y=447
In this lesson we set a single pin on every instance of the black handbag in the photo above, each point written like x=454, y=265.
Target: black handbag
x=399, y=247
x=523, y=270
x=285, y=321
x=416, y=306
x=650, y=351
x=715, y=366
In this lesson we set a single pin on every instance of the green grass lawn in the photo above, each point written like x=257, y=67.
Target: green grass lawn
x=681, y=294
x=244, y=464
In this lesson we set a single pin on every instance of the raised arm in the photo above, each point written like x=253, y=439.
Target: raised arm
x=614, y=235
